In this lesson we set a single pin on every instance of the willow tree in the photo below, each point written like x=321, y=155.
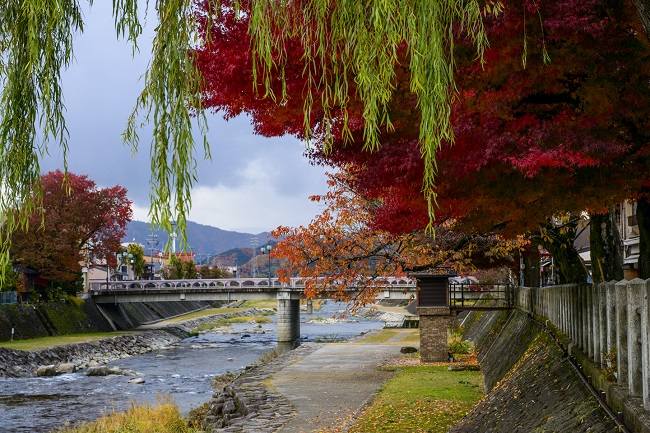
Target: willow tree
x=36, y=45
x=343, y=40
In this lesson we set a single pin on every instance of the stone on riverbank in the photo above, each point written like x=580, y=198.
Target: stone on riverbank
x=46, y=371
x=66, y=368
x=247, y=404
x=98, y=371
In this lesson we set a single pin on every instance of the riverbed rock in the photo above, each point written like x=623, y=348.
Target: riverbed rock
x=66, y=368
x=98, y=371
x=137, y=380
x=46, y=370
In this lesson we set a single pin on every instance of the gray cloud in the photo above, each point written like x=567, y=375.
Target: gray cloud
x=252, y=183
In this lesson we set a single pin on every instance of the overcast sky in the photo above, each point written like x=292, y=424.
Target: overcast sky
x=252, y=184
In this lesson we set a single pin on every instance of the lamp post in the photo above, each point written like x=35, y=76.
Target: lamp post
x=267, y=250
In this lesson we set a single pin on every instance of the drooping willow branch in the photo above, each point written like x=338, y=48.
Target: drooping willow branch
x=342, y=40
x=361, y=40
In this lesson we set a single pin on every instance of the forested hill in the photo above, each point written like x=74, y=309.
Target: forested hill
x=202, y=239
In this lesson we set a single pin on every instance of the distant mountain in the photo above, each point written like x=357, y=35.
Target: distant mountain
x=202, y=239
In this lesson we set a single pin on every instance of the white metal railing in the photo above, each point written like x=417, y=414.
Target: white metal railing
x=232, y=283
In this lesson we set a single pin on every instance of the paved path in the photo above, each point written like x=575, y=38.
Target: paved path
x=330, y=386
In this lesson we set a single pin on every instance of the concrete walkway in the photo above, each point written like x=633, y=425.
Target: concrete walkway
x=330, y=386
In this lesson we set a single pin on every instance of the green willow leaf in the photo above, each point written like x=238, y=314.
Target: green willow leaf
x=360, y=41
x=36, y=44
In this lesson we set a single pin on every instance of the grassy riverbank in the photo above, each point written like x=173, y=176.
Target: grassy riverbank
x=421, y=399
x=202, y=313
x=164, y=417
x=57, y=340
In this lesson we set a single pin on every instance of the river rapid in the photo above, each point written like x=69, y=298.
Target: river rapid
x=183, y=371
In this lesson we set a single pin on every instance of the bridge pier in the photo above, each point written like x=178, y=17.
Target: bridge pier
x=288, y=317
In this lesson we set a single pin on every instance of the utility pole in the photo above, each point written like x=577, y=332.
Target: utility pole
x=254, y=245
x=152, y=241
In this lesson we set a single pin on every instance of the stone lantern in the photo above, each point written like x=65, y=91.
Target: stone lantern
x=435, y=315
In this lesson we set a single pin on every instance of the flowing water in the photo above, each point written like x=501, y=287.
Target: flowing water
x=184, y=371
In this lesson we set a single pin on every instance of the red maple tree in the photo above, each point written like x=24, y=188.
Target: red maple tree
x=76, y=221
x=531, y=142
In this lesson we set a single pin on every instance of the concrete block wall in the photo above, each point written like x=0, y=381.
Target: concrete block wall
x=600, y=319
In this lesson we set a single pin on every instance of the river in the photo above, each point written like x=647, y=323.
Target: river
x=184, y=371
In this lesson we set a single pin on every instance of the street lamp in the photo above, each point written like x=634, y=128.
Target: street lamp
x=267, y=250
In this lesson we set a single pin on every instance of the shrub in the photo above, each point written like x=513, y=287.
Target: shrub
x=165, y=417
x=609, y=372
x=456, y=345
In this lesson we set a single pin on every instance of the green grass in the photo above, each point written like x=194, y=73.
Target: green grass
x=202, y=313
x=246, y=319
x=57, y=340
x=381, y=337
x=268, y=303
x=220, y=323
x=413, y=337
x=421, y=399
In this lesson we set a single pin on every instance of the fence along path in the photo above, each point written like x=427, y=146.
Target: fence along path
x=605, y=320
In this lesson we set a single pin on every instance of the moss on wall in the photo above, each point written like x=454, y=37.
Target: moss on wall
x=74, y=316
x=50, y=318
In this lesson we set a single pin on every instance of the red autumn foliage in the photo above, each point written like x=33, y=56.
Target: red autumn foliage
x=76, y=220
x=531, y=142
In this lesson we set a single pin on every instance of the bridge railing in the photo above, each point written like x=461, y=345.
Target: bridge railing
x=609, y=322
x=234, y=283
x=474, y=296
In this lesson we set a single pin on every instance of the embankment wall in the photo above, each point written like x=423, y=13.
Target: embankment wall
x=78, y=316
x=532, y=387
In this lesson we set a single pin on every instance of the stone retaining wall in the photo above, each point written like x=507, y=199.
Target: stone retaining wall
x=50, y=318
x=247, y=405
x=610, y=320
x=18, y=363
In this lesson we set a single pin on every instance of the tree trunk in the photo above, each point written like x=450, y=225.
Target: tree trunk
x=569, y=265
x=558, y=241
x=605, y=246
x=643, y=219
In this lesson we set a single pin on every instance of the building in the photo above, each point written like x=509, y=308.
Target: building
x=629, y=229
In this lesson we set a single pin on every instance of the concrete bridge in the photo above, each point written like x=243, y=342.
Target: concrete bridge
x=288, y=295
